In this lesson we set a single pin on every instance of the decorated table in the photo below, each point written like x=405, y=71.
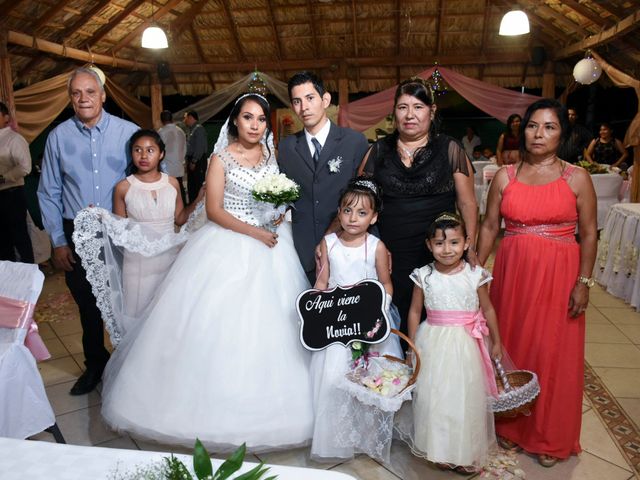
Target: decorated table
x=21, y=459
x=617, y=260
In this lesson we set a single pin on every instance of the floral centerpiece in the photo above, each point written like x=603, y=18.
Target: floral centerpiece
x=278, y=192
x=593, y=168
x=170, y=468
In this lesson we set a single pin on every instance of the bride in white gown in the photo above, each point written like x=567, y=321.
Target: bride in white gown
x=218, y=356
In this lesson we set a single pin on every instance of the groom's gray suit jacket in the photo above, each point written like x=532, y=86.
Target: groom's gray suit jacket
x=320, y=187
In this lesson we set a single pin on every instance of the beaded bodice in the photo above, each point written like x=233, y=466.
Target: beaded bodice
x=239, y=181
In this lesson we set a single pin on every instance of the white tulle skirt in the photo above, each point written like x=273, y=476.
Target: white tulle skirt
x=450, y=419
x=218, y=357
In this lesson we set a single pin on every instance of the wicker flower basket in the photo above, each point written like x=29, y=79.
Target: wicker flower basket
x=354, y=381
x=517, y=392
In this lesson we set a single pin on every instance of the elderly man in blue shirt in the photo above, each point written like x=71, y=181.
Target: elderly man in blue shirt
x=84, y=158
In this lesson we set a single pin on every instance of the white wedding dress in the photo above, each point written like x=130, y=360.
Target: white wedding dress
x=218, y=356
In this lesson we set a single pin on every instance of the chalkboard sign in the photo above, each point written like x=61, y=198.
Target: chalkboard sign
x=343, y=315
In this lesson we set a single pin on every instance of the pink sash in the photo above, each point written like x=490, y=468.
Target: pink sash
x=19, y=314
x=476, y=325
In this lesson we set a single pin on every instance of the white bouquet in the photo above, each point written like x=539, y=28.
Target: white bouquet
x=277, y=190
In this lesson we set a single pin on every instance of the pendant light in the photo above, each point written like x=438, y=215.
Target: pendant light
x=153, y=36
x=514, y=23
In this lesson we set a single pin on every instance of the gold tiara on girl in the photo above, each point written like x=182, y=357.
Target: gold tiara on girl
x=443, y=217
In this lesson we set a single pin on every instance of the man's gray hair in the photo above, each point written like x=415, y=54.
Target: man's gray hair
x=88, y=71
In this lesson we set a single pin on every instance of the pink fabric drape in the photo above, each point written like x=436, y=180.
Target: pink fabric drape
x=496, y=101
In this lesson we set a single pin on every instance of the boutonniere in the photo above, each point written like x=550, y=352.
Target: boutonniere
x=334, y=164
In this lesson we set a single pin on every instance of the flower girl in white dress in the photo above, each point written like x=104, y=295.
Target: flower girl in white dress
x=152, y=199
x=352, y=255
x=452, y=421
x=218, y=355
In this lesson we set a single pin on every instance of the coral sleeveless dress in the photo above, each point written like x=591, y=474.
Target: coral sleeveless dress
x=536, y=268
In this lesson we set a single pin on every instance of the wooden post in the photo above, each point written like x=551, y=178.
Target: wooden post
x=343, y=84
x=156, y=100
x=6, y=80
x=549, y=80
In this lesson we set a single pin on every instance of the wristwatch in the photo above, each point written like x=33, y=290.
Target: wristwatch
x=589, y=282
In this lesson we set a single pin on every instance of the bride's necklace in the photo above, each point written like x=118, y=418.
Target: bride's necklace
x=246, y=159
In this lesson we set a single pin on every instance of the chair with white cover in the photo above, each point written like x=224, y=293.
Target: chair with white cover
x=488, y=172
x=607, y=187
x=477, y=178
x=24, y=407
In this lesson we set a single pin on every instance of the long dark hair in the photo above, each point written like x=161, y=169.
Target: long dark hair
x=235, y=111
x=417, y=88
x=510, y=120
x=545, y=104
x=144, y=132
x=362, y=186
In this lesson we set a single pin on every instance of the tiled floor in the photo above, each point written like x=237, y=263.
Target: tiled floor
x=612, y=350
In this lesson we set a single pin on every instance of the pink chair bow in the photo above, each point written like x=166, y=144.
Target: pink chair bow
x=19, y=314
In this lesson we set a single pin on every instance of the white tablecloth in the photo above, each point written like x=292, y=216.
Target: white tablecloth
x=617, y=261
x=26, y=459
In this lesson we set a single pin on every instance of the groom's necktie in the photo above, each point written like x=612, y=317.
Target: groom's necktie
x=318, y=149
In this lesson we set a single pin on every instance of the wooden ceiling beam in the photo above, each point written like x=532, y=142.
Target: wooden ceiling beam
x=561, y=19
x=233, y=28
x=136, y=32
x=184, y=20
x=398, y=37
x=9, y=5
x=52, y=12
x=113, y=22
x=611, y=9
x=80, y=22
x=203, y=58
x=18, y=38
x=393, y=61
x=587, y=13
x=439, y=29
x=354, y=26
x=485, y=26
x=274, y=30
x=312, y=24
x=615, y=32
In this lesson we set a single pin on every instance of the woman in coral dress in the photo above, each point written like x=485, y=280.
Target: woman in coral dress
x=542, y=279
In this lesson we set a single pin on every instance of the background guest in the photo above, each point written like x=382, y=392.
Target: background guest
x=85, y=156
x=422, y=174
x=321, y=158
x=507, y=151
x=540, y=306
x=573, y=148
x=15, y=164
x=606, y=149
x=470, y=141
x=175, y=142
x=196, y=154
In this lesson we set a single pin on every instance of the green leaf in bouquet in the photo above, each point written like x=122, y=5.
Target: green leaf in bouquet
x=231, y=464
x=254, y=473
x=201, y=461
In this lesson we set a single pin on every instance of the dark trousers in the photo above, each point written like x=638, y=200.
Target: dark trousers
x=14, y=234
x=195, y=179
x=96, y=355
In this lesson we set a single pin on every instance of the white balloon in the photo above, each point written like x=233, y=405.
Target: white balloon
x=99, y=72
x=587, y=71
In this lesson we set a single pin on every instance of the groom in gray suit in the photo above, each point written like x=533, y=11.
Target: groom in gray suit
x=321, y=158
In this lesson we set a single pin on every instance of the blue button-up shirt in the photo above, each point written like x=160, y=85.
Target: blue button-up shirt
x=81, y=167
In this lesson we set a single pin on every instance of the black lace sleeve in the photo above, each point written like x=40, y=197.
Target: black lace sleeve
x=458, y=159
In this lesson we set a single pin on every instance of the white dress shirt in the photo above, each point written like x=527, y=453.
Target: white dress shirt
x=321, y=136
x=15, y=159
x=175, y=142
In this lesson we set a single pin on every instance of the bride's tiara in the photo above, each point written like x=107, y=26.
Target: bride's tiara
x=250, y=94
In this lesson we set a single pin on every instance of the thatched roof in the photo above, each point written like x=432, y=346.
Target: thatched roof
x=373, y=44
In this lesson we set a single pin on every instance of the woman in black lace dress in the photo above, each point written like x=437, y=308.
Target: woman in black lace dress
x=422, y=174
